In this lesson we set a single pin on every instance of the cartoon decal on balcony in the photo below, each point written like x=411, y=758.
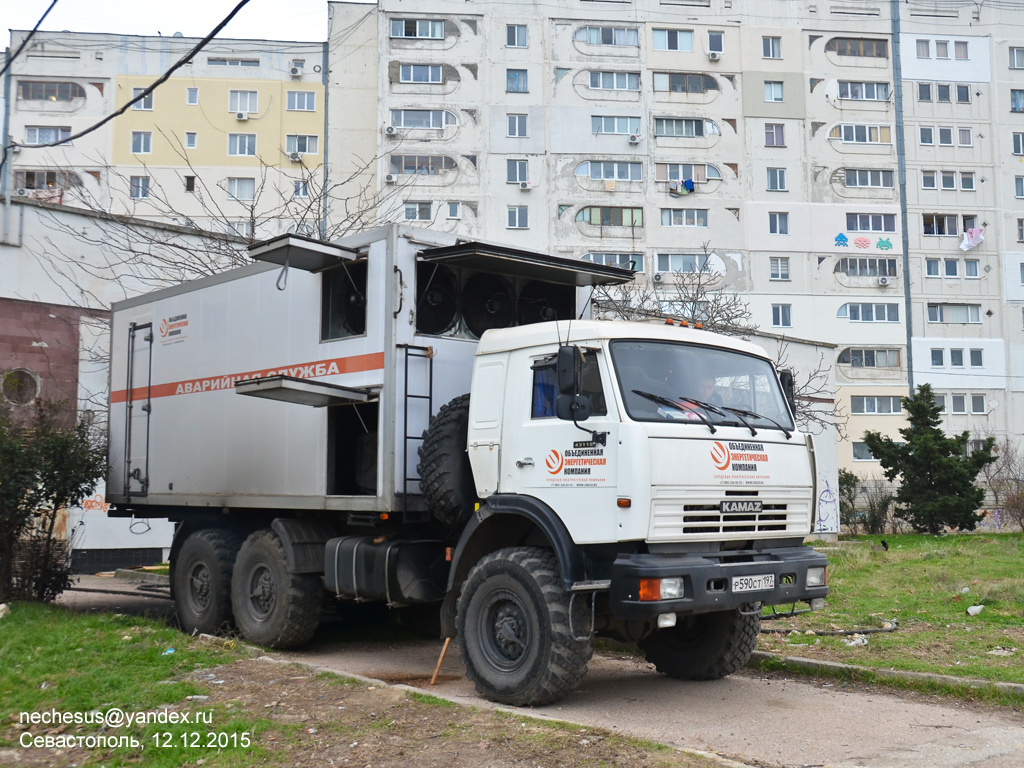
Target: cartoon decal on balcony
x=862, y=242
x=842, y=240
x=884, y=244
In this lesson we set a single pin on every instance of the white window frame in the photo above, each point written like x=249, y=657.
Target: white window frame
x=239, y=186
x=191, y=139
x=776, y=180
x=684, y=217
x=304, y=144
x=241, y=145
x=421, y=210
x=138, y=187
x=517, y=171
x=882, y=176
x=778, y=268
x=516, y=36
x=682, y=263
x=300, y=101
x=1016, y=58
x=777, y=131
x=146, y=104
x=191, y=97
x=608, y=80
x=771, y=47
x=680, y=40
x=439, y=119
x=142, y=142
x=514, y=122
x=863, y=90
x=425, y=29
x=773, y=91
x=517, y=217
x=621, y=125
x=936, y=313
x=778, y=222
x=633, y=261
x=46, y=134
x=454, y=209
x=300, y=190
x=243, y=101
x=782, y=315
x=414, y=74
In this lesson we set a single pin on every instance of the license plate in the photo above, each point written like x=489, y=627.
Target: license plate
x=753, y=583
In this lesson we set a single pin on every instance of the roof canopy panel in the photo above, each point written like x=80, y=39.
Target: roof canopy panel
x=302, y=391
x=300, y=252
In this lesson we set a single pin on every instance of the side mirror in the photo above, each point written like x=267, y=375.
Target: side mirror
x=567, y=367
x=788, y=388
x=572, y=407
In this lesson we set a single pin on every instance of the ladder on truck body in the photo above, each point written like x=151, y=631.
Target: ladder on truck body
x=413, y=352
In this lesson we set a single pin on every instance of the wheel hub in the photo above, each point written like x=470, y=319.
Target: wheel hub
x=262, y=591
x=509, y=631
x=200, y=587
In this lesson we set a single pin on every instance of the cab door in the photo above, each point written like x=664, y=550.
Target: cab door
x=573, y=469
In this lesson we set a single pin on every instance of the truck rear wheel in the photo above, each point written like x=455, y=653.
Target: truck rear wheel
x=273, y=607
x=446, y=477
x=202, y=580
x=708, y=646
x=513, y=628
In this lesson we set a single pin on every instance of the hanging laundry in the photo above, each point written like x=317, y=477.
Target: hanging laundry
x=675, y=189
x=688, y=185
x=972, y=237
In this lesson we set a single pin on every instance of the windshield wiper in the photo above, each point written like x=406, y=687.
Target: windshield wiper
x=678, y=406
x=717, y=409
x=738, y=411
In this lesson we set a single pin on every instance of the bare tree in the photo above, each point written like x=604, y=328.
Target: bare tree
x=813, y=392
x=1004, y=479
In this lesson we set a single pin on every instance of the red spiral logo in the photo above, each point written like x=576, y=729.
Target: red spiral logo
x=720, y=456
x=554, y=462
x=163, y=327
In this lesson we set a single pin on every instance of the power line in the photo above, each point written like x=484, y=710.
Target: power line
x=28, y=37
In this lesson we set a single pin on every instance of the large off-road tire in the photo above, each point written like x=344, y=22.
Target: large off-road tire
x=446, y=477
x=513, y=629
x=202, y=580
x=273, y=607
x=708, y=646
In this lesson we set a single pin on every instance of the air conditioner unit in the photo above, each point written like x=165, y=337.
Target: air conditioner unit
x=295, y=157
x=525, y=185
x=391, y=130
x=241, y=116
x=390, y=179
x=714, y=55
x=883, y=280
x=635, y=138
x=659, y=277
x=296, y=71
x=21, y=192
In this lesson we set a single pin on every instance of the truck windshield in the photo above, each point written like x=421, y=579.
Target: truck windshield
x=651, y=371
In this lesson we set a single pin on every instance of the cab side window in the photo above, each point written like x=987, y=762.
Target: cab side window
x=545, y=387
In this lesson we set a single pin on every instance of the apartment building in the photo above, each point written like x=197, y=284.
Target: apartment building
x=232, y=140
x=758, y=137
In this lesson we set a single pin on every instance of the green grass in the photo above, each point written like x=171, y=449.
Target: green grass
x=919, y=583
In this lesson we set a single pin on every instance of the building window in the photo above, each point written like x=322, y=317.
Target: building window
x=242, y=228
x=871, y=222
x=49, y=91
x=611, y=217
x=861, y=134
x=774, y=135
x=778, y=223
x=963, y=94
x=516, y=171
x=861, y=452
x=422, y=118
x=515, y=81
x=938, y=358
x=875, y=404
x=190, y=183
x=46, y=180
x=301, y=101
x=856, y=91
x=419, y=73
x=967, y=181
x=608, y=36
x=241, y=144
x=977, y=404
x=517, y=126
x=782, y=316
x=870, y=358
x=683, y=82
x=145, y=103
x=518, y=217
x=931, y=267
x=1017, y=58
x=683, y=171
x=956, y=358
x=854, y=46
x=614, y=124
x=454, y=209
x=1020, y=230
x=428, y=28
x=939, y=224
x=37, y=134
x=952, y=267
x=772, y=90
x=221, y=62
x=771, y=47
x=866, y=266
x=688, y=263
x=924, y=91
x=243, y=101
x=927, y=136
x=305, y=145
x=515, y=36
x=959, y=403
x=941, y=49
x=960, y=49
x=610, y=170
x=1017, y=100
x=1019, y=185
x=615, y=81
x=142, y=142
x=965, y=137
x=684, y=127
x=424, y=165
x=684, y=217
x=778, y=268
x=948, y=179
x=191, y=139
x=633, y=261
x=417, y=210
x=863, y=177
x=192, y=96
x=716, y=42
x=954, y=313
x=300, y=189
x=242, y=189
x=870, y=313
x=976, y=358
x=924, y=49
x=945, y=137
x=928, y=180
x=942, y=93
x=672, y=40
x=139, y=187
x=776, y=179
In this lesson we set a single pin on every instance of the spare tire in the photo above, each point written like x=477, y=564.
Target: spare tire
x=446, y=477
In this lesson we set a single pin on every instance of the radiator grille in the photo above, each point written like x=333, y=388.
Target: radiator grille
x=676, y=518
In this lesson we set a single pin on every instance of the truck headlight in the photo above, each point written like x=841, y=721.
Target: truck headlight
x=816, y=577
x=671, y=589
x=661, y=589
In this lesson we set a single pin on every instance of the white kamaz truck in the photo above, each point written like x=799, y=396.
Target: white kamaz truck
x=405, y=418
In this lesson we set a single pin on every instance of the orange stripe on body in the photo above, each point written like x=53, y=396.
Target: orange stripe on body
x=329, y=367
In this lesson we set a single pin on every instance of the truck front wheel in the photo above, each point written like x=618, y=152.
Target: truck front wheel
x=273, y=607
x=202, y=580
x=513, y=627
x=708, y=646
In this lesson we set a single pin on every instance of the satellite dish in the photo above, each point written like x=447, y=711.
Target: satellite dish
x=487, y=302
x=437, y=299
x=541, y=302
x=347, y=297
x=177, y=34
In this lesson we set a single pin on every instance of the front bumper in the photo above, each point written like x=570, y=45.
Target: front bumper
x=708, y=580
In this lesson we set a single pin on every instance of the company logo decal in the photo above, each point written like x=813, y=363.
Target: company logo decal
x=720, y=456
x=555, y=462
x=173, y=328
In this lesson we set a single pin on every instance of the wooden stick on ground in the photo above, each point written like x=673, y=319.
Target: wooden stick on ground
x=440, y=660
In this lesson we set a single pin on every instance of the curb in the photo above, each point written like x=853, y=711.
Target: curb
x=834, y=668
x=143, y=577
